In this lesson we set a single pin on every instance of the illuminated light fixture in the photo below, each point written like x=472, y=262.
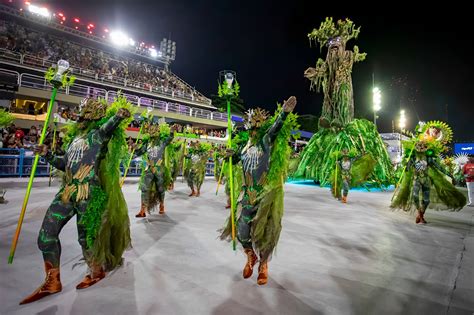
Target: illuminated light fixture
x=76, y=20
x=377, y=99
x=60, y=14
x=91, y=25
x=106, y=30
x=44, y=12
x=90, y=32
x=229, y=79
x=153, y=53
x=118, y=38
x=76, y=28
x=131, y=42
x=63, y=65
x=403, y=120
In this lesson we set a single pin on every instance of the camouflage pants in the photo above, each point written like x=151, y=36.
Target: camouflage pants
x=244, y=223
x=345, y=185
x=423, y=185
x=56, y=217
x=151, y=179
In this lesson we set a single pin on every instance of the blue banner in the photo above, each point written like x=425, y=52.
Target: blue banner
x=466, y=148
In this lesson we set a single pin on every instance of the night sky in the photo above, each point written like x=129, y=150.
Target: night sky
x=422, y=62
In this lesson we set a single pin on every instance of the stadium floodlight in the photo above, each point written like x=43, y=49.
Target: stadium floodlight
x=131, y=42
x=403, y=120
x=44, y=12
x=376, y=100
x=119, y=38
x=153, y=52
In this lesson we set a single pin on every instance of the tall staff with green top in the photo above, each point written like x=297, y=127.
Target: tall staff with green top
x=227, y=89
x=58, y=78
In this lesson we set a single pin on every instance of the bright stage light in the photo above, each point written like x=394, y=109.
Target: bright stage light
x=44, y=12
x=403, y=120
x=131, y=42
x=153, y=53
x=118, y=38
x=377, y=99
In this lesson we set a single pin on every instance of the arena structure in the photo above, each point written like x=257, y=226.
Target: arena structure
x=104, y=61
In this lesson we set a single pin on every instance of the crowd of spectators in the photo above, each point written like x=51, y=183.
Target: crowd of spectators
x=92, y=62
x=14, y=137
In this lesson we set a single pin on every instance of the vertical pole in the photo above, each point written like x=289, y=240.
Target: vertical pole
x=231, y=177
x=32, y=177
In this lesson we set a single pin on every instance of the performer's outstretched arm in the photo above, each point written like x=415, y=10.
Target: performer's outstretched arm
x=288, y=107
x=142, y=149
x=106, y=130
x=58, y=161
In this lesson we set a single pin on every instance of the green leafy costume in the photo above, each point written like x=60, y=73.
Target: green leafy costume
x=195, y=164
x=264, y=161
x=91, y=190
x=424, y=177
x=156, y=176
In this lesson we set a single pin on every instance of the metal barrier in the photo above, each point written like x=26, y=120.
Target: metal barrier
x=18, y=162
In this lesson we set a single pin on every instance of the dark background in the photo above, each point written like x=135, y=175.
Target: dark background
x=422, y=61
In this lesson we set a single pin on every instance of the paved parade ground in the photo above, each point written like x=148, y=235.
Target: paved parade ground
x=333, y=258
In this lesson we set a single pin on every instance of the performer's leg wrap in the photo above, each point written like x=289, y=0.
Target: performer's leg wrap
x=147, y=182
x=81, y=229
x=425, y=189
x=57, y=215
x=244, y=223
x=345, y=187
x=416, y=194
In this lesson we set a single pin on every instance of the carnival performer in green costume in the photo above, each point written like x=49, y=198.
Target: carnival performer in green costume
x=424, y=177
x=351, y=170
x=156, y=176
x=264, y=159
x=91, y=191
x=195, y=167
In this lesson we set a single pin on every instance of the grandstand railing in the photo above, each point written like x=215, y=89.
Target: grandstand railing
x=29, y=60
x=18, y=163
x=37, y=82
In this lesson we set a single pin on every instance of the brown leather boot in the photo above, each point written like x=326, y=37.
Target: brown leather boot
x=193, y=193
x=418, y=217
x=262, y=273
x=142, y=212
x=51, y=285
x=344, y=199
x=422, y=217
x=162, y=208
x=251, y=261
x=96, y=274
